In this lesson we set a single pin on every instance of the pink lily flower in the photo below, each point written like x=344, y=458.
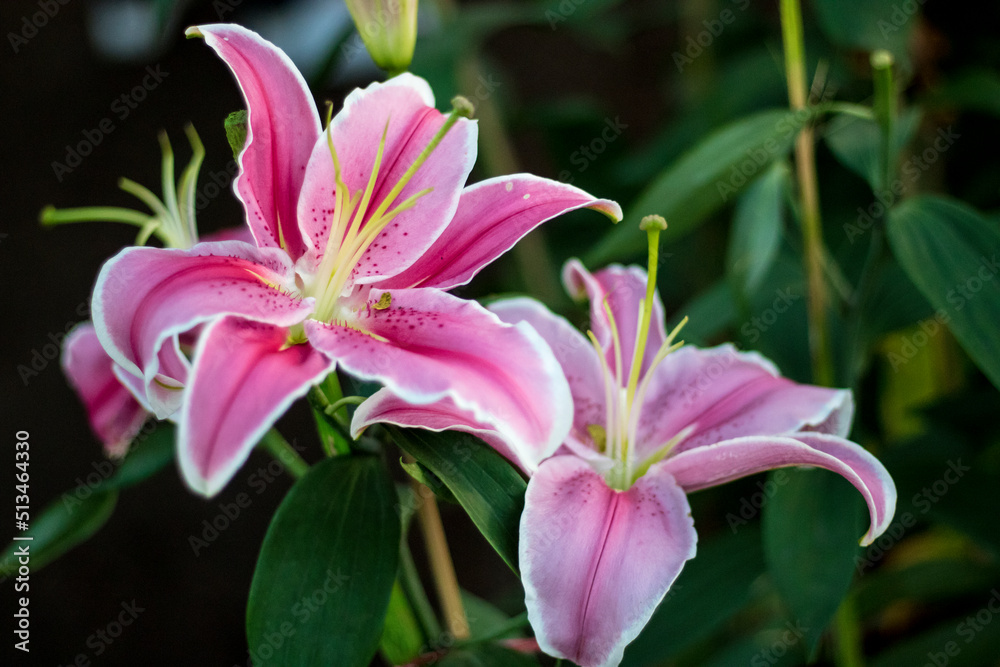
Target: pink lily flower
x=115, y=399
x=359, y=229
x=606, y=527
x=114, y=414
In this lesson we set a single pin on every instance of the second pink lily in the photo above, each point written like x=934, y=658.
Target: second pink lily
x=606, y=527
x=359, y=228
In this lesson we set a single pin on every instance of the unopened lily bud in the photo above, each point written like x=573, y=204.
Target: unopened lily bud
x=389, y=30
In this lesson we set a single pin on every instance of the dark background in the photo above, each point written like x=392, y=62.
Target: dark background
x=57, y=86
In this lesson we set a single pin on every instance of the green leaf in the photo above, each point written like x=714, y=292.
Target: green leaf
x=856, y=143
x=892, y=304
x=422, y=474
x=484, y=619
x=757, y=226
x=710, y=313
x=811, y=528
x=148, y=454
x=703, y=180
x=867, y=24
x=485, y=484
x=952, y=254
x=236, y=131
x=711, y=589
x=62, y=525
x=959, y=642
x=930, y=583
x=402, y=639
x=974, y=89
x=326, y=569
x=83, y=510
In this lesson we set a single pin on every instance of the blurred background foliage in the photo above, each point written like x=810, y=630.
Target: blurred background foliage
x=677, y=108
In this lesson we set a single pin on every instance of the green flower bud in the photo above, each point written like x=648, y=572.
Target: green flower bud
x=389, y=30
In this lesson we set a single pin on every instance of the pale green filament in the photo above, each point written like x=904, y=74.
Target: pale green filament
x=173, y=219
x=623, y=397
x=352, y=229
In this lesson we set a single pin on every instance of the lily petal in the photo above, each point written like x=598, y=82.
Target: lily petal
x=403, y=109
x=145, y=296
x=595, y=563
x=624, y=288
x=243, y=379
x=710, y=465
x=282, y=127
x=723, y=394
x=492, y=216
x=574, y=353
x=428, y=345
x=114, y=414
x=384, y=407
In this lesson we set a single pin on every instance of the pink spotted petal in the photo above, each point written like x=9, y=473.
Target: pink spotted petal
x=384, y=407
x=723, y=394
x=492, y=216
x=724, y=461
x=428, y=346
x=624, y=288
x=595, y=562
x=243, y=380
x=406, y=103
x=146, y=296
x=114, y=414
x=575, y=355
x=281, y=131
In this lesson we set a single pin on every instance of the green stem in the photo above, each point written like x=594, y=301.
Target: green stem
x=885, y=112
x=848, y=633
x=805, y=168
x=278, y=447
x=332, y=424
x=51, y=215
x=409, y=579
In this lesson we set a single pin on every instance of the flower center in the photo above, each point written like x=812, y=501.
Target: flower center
x=624, y=396
x=353, y=227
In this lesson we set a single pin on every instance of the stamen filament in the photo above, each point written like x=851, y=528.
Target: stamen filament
x=357, y=221
x=167, y=178
x=458, y=112
x=608, y=395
